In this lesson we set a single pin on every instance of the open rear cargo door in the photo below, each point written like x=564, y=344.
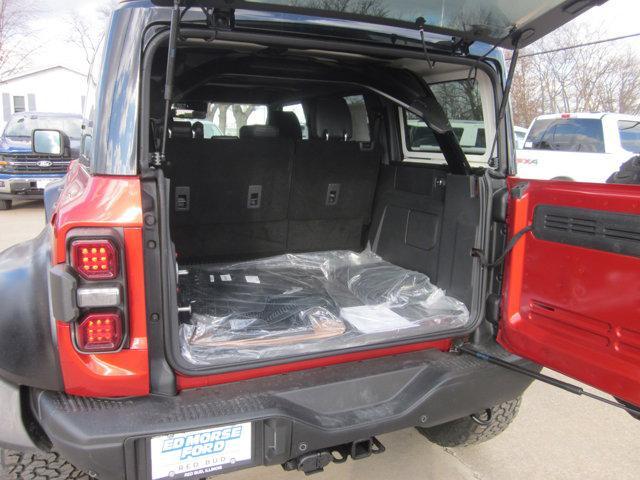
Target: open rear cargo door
x=492, y=21
x=571, y=298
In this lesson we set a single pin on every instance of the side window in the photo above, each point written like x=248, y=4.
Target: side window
x=462, y=102
x=630, y=135
x=298, y=109
x=566, y=135
x=359, y=118
x=18, y=104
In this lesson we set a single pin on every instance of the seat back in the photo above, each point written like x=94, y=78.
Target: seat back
x=334, y=181
x=270, y=192
x=231, y=195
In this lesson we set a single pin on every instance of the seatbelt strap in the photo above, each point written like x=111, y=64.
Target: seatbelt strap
x=374, y=133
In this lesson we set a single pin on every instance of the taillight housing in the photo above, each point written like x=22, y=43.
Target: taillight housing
x=94, y=259
x=99, y=332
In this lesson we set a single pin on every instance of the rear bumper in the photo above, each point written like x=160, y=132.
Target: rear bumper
x=27, y=187
x=319, y=408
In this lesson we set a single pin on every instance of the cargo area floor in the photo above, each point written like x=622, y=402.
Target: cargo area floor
x=295, y=304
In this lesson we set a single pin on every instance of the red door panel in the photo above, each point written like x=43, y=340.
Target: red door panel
x=573, y=304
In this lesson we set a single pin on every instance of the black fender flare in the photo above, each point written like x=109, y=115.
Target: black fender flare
x=28, y=346
x=51, y=196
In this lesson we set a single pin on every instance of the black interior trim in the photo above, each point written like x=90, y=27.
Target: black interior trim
x=594, y=229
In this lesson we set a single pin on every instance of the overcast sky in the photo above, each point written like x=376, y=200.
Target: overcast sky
x=618, y=17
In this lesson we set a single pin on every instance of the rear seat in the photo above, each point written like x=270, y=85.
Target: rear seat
x=269, y=191
x=334, y=181
x=231, y=195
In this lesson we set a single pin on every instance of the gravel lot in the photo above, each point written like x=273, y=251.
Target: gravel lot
x=556, y=435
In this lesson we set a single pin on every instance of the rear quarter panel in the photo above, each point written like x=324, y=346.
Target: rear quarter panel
x=95, y=201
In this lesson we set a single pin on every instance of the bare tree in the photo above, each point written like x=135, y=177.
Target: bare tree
x=595, y=78
x=14, y=30
x=87, y=32
x=83, y=36
x=241, y=114
x=221, y=109
x=374, y=8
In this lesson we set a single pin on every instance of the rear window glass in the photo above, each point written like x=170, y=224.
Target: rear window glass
x=630, y=135
x=210, y=129
x=495, y=18
x=223, y=119
x=461, y=101
x=566, y=135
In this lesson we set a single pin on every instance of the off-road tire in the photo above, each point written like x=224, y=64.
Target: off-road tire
x=629, y=172
x=5, y=204
x=37, y=466
x=474, y=429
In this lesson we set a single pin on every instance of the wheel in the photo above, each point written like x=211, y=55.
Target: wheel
x=476, y=428
x=629, y=172
x=5, y=204
x=35, y=466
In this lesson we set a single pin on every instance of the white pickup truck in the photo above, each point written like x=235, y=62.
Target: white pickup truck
x=583, y=147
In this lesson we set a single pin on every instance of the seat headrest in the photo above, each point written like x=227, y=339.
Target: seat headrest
x=333, y=119
x=287, y=123
x=198, y=130
x=180, y=130
x=258, y=131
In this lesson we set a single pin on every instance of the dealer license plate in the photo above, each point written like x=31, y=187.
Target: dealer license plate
x=42, y=183
x=199, y=453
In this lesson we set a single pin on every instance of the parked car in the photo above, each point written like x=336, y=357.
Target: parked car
x=470, y=134
x=197, y=306
x=24, y=173
x=520, y=134
x=582, y=147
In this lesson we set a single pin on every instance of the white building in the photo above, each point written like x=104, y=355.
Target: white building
x=52, y=89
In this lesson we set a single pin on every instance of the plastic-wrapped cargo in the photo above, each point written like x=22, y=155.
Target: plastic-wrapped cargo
x=295, y=304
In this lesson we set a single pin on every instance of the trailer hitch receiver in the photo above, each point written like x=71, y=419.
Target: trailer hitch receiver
x=314, y=462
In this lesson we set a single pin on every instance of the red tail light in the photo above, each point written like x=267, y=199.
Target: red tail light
x=99, y=332
x=95, y=259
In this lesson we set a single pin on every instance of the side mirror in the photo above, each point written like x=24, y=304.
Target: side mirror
x=47, y=142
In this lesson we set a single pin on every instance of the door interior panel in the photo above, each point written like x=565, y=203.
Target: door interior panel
x=572, y=286
x=594, y=229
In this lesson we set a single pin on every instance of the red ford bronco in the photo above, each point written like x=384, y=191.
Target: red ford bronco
x=294, y=226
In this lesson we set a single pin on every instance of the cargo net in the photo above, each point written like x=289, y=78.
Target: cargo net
x=298, y=304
